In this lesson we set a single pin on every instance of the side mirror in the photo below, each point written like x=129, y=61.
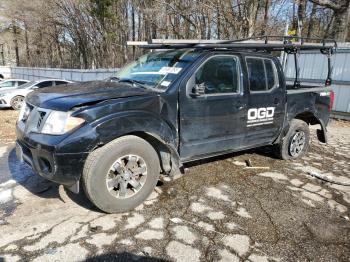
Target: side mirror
x=34, y=87
x=198, y=90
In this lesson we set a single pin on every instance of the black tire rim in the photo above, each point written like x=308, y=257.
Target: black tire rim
x=126, y=176
x=297, y=143
x=17, y=102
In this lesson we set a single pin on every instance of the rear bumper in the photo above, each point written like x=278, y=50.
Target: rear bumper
x=61, y=168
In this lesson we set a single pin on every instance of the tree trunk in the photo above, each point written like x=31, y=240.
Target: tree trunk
x=311, y=22
x=301, y=16
x=27, y=44
x=253, y=16
x=341, y=24
x=218, y=21
x=341, y=9
x=266, y=17
x=14, y=28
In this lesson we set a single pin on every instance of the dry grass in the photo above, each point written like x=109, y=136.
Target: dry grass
x=8, y=119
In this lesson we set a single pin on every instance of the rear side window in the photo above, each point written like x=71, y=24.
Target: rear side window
x=60, y=83
x=44, y=84
x=21, y=83
x=262, y=74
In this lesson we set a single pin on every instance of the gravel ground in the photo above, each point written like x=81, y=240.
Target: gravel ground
x=217, y=211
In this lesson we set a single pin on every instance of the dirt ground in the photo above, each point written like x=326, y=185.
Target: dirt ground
x=8, y=119
x=218, y=211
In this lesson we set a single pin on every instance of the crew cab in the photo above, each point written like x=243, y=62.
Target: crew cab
x=176, y=104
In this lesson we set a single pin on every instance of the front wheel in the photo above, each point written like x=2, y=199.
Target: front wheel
x=16, y=102
x=296, y=142
x=121, y=175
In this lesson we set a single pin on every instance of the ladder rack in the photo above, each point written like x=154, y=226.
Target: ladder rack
x=264, y=43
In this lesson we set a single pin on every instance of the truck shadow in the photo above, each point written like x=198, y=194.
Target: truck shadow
x=41, y=187
x=124, y=256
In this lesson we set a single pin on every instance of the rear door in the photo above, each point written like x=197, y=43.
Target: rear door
x=266, y=103
x=212, y=121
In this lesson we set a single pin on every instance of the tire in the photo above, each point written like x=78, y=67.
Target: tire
x=290, y=148
x=99, y=178
x=16, y=102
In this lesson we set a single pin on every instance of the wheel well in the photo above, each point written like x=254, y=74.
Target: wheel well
x=308, y=117
x=167, y=157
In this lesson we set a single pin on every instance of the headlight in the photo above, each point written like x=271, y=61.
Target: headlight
x=24, y=112
x=1, y=95
x=58, y=123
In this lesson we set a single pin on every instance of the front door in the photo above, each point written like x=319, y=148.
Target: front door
x=212, y=121
x=266, y=103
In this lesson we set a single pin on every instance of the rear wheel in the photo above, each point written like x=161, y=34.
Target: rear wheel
x=16, y=102
x=296, y=142
x=121, y=175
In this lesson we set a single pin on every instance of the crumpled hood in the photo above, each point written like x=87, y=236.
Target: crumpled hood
x=65, y=97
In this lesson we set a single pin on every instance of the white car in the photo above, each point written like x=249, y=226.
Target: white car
x=12, y=83
x=15, y=97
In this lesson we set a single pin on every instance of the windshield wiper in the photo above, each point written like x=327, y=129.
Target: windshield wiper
x=139, y=83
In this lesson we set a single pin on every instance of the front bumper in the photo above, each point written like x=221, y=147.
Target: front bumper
x=4, y=102
x=61, y=168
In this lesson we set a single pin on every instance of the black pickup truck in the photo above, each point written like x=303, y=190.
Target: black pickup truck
x=176, y=104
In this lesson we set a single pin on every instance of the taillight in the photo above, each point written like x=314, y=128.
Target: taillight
x=331, y=100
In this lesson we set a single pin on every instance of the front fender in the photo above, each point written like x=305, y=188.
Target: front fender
x=116, y=125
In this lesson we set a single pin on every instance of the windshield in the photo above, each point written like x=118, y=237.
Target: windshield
x=29, y=84
x=158, y=69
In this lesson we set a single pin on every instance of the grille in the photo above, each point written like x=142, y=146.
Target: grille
x=34, y=119
x=42, y=115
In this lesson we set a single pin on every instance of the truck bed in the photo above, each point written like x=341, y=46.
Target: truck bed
x=304, y=85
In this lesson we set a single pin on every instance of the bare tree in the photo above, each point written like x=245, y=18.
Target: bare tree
x=341, y=9
x=93, y=33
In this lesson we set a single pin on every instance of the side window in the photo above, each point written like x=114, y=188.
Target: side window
x=21, y=83
x=256, y=74
x=60, y=83
x=44, y=84
x=8, y=84
x=270, y=74
x=219, y=74
x=261, y=73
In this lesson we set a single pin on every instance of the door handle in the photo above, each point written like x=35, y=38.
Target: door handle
x=240, y=106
